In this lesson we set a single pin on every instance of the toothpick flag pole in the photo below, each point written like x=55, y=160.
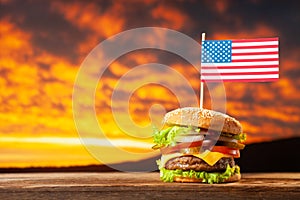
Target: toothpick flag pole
x=201, y=83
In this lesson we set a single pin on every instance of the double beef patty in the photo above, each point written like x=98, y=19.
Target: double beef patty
x=197, y=164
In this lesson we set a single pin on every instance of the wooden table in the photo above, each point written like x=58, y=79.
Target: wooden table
x=117, y=185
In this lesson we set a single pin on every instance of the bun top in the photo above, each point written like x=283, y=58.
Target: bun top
x=203, y=118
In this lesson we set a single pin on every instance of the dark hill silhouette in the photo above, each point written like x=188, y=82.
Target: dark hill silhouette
x=139, y=166
x=275, y=156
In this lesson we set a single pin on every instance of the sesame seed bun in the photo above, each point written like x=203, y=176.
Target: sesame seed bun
x=203, y=118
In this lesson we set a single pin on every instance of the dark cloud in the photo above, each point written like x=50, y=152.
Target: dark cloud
x=50, y=31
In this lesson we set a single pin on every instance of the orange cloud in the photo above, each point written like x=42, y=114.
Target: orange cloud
x=290, y=59
x=86, y=16
x=171, y=17
x=90, y=17
x=27, y=98
x=37, y=100
x=14, y=41
x=243, y=32
x=220, y=6
x=263, y=110
x=141, y=57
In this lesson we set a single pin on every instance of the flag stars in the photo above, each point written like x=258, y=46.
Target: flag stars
x=216, y=51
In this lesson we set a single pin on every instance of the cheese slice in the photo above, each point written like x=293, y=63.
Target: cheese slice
x=209, y=157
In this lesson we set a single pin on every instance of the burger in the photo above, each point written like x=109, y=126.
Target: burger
x=199, y=145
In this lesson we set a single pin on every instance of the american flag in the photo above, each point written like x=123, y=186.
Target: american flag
x=242, y=60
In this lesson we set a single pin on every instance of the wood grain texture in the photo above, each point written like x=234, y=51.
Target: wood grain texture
x=119, y=185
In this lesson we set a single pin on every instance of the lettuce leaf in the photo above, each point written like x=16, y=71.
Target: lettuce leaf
x=166, y=137
x=207, y=177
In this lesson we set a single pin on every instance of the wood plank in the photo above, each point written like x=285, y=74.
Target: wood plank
x=118, y=185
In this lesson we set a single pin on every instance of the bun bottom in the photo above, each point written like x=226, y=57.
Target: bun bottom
x=234, y=178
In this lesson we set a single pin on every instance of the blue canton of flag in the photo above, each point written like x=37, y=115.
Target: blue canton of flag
x=216, y=51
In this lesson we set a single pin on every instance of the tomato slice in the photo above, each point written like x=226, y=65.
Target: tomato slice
x=222, y=149
x=176, y=148
x=225, y=150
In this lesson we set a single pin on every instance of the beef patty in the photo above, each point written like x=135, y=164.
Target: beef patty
x=197, y=164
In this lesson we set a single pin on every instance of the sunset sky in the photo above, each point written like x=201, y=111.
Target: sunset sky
x=44, y=43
